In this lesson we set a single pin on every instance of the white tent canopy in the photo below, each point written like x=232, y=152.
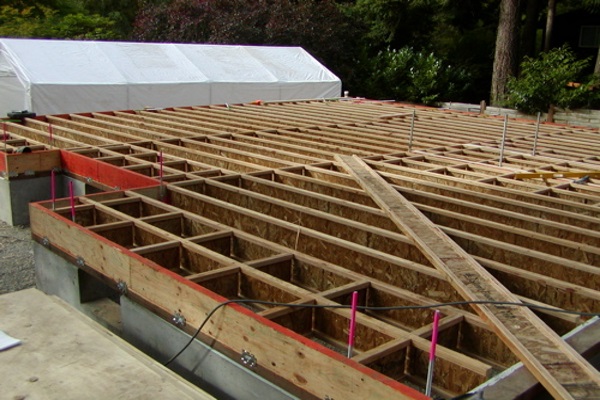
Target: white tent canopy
x=55, y=76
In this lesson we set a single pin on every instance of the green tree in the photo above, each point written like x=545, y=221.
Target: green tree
x=547, y=80
x=319, y=27
x=505, y=56
x=396, y=23
x=416, y=76
x=56, y=19
x=122, y=12
x=45, y=22
x=464, y=34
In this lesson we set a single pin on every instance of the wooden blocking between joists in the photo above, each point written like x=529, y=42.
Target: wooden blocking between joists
x=354, y=257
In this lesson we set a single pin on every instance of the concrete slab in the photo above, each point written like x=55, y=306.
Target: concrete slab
x=65, y=355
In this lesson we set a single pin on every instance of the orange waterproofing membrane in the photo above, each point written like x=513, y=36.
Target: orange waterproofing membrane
x=104, y=173
x=108, y=175
x=315, y=370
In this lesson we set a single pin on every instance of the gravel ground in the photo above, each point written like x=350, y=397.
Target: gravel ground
x=16, y=258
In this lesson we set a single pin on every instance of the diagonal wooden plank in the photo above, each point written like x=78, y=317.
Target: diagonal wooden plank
x=562, y=371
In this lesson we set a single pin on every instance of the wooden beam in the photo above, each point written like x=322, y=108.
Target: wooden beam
x=562, y=371
x=555, y=175
x=280, y=352
x=518, y=383
x=37, y=161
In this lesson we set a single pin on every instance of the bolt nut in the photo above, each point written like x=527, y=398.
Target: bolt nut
x=122, y=287
x=178, y=320
x=45, y=241
x=248, y=359
x=80, y=261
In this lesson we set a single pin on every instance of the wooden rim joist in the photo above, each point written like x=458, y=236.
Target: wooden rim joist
x=249, y=202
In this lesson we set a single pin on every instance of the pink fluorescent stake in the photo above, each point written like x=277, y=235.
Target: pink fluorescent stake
x=72, y=201
x=4, y=135
x=161, y=188
x=434, y=338
x=160, y=160
x=352, y=329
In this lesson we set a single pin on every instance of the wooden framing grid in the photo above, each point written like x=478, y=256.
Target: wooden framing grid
x=253, y=204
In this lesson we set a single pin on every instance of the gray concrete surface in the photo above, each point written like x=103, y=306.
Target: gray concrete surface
x=64, y=355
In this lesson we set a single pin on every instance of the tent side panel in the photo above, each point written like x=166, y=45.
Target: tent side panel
x=243, y=92
x=61, y=99
x=311, y=90
x=13, y=95
x=13, y=92
x=149, y=95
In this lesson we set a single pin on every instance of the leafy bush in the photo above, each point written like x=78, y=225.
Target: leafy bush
x=45, y=22
x=544, y=81
x=416, y=76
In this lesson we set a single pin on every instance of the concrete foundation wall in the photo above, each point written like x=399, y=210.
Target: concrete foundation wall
x=209, y=369
x=213, y=372
x=587, y=118
x=5, y=203
x=16, y=194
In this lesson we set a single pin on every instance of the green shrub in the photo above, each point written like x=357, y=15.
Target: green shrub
x=544, y=81
x=416, y=76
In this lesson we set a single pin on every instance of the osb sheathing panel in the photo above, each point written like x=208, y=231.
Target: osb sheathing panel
x=308, y=230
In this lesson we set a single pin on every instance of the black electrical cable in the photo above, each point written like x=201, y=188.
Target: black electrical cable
x=367, y=308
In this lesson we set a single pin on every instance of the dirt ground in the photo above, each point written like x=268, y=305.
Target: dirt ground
x=16, y=258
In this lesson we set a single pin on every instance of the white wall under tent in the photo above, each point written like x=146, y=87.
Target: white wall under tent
x=64, y=76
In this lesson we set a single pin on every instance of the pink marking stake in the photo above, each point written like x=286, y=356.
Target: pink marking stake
x=434, y=338
x=72, y=201
x=352, y=329
x=161, y=189
x=160, y=171
x=4, y=136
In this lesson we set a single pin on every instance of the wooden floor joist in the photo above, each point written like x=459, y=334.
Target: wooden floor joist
x=254, y=205
x=562, y=371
